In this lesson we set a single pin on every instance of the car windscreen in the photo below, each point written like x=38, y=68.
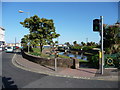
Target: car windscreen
x=9, y=47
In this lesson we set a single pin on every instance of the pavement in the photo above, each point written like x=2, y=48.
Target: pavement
x=80, y=73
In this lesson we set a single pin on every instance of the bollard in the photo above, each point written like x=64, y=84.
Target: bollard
x=75, y=63
x=56, y=55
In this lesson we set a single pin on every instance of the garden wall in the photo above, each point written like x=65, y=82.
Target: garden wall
x=61, y=62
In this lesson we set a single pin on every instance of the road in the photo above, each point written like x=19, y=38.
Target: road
x=14, y=77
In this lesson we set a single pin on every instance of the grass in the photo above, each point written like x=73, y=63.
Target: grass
x=62, y=56
x=80, y=60
x=36, y=52
x=88, y=53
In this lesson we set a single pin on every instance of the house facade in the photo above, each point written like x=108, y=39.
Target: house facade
x=2, y=37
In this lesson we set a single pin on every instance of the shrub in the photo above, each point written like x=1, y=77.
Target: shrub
x=35, y=53
x=86, y=48
x=75, y=47
x=94, y=60
x=26, y=49
x=107, y=50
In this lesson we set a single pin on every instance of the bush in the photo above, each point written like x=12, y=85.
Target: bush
x=76, y=48
x=26, y=49
x=35, y=53
x=107, y=50
x=86, y=48
x=94, y=60
x=36, y=50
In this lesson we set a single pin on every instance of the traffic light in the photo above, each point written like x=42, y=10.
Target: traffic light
x=96, y=25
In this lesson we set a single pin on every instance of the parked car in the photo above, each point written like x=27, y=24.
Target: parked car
x=9, y=49
x=15, y=47
x=1, y=49
x=5, y=48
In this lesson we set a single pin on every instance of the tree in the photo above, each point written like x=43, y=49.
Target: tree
x=41, y=28
x=56, y=42
x=111, y=38
x=68, y=44
x=75, y=43
x=24, y=40
x=83, y=44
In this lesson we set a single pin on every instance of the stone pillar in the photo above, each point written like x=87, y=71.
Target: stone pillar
x=75, y=63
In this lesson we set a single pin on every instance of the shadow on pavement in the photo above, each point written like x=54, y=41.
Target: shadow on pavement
x=109, y=72
x=48, y=67
x=8, y=83
x=87, y=71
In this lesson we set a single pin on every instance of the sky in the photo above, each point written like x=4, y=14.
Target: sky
x=72, y=20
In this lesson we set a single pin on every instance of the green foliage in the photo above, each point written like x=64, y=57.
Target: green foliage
x=68, y=44
x=111, y=38
x=63, y=56
x=86, y=48
x=36, y=50
x=35, y=53
x=24, y=40
x=83, y=44
x=40, y=28
x=107, y=50
x=94, y=60
x=75, y=42
x=80, y=60
x=76, y=47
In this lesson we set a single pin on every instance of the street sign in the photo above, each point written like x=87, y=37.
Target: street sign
x=110, y=61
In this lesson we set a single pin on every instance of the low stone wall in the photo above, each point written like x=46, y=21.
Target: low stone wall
x=61, y=62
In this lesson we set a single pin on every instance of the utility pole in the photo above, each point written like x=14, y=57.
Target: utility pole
x=86, y=40
x=15, y=41
x=102, y=52
x=28, y=15
x=98, y=26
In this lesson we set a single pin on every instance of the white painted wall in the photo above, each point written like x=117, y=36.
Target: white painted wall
x=2, y=34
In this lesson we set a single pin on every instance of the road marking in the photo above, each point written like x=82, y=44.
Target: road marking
x=14, y=56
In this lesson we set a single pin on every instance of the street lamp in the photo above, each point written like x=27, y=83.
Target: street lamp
x=117, y=23
x=20, y=11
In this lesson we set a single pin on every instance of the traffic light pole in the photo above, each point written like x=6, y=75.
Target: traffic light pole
x=102, y=60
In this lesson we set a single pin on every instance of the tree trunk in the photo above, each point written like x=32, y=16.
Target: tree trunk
x=41, y=47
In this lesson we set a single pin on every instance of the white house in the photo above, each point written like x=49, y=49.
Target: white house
x=2, y=37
